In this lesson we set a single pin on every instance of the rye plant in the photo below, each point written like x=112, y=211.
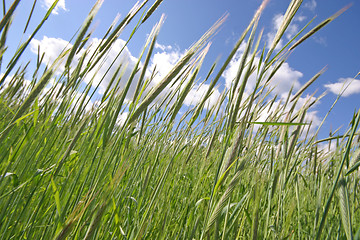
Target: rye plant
x=72, y=170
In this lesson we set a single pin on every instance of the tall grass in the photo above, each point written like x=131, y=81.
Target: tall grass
x=70, y=171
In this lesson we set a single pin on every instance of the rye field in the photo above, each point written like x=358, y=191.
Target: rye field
x=143, y=167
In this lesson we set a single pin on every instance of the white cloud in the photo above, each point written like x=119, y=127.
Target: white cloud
x=52, y=86
x=162, y=61
x=122, y=118
x=320, y=40
x=103, y=73
x=21, y=81
x=311, y=115
x=60, y=5
x=284, y=79
x=352, y=86
x=276, y=23
x=290, y=32
x=300, y=18
x=327, y=148
x=232, y=69
x=197, y=93
x=311, y=5
x=52, y=47
x=163, y=47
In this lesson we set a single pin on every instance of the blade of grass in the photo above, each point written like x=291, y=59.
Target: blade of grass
x=345, y=156
x=319, y=26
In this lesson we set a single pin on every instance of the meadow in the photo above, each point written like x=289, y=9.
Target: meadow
x=70, y=170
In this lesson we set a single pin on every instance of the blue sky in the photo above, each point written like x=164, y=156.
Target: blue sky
x=336, y=46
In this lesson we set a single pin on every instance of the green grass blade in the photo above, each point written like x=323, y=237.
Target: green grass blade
x=345, y=156
x=7, y=18
x=319, y=26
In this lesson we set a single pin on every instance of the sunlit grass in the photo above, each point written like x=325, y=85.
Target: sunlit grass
x=71, y=169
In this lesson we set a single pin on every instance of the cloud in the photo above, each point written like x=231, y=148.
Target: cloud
x=300, y=18
x=197, y=93
x=122, y=118
x=312, y=116
x=311, y=5
x=352, y=86
x=232, y=69
x=163, y=60
x=163, y=47
x=320, y=40
x=54, y=87
x=276, y=23
x=103, y=72
x=60, y=5
x=23, y=84
x=327, y=148
x=52, y=48
x=267, y=114
x=284, y=79
x=290, y=32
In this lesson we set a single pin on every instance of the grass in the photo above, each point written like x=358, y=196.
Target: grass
x=70, y=171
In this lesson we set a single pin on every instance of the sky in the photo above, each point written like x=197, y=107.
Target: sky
x=335, y=47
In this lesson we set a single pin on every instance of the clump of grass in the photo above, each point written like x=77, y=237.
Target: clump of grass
x=68, y=171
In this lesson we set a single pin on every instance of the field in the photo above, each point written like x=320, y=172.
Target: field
x=74, y=170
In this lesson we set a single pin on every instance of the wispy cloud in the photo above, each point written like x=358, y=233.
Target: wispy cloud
x=311, y=5
x=300, y=18
x=60, y=5
x=163, y=47
x=351, y=86
x=320, y=40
